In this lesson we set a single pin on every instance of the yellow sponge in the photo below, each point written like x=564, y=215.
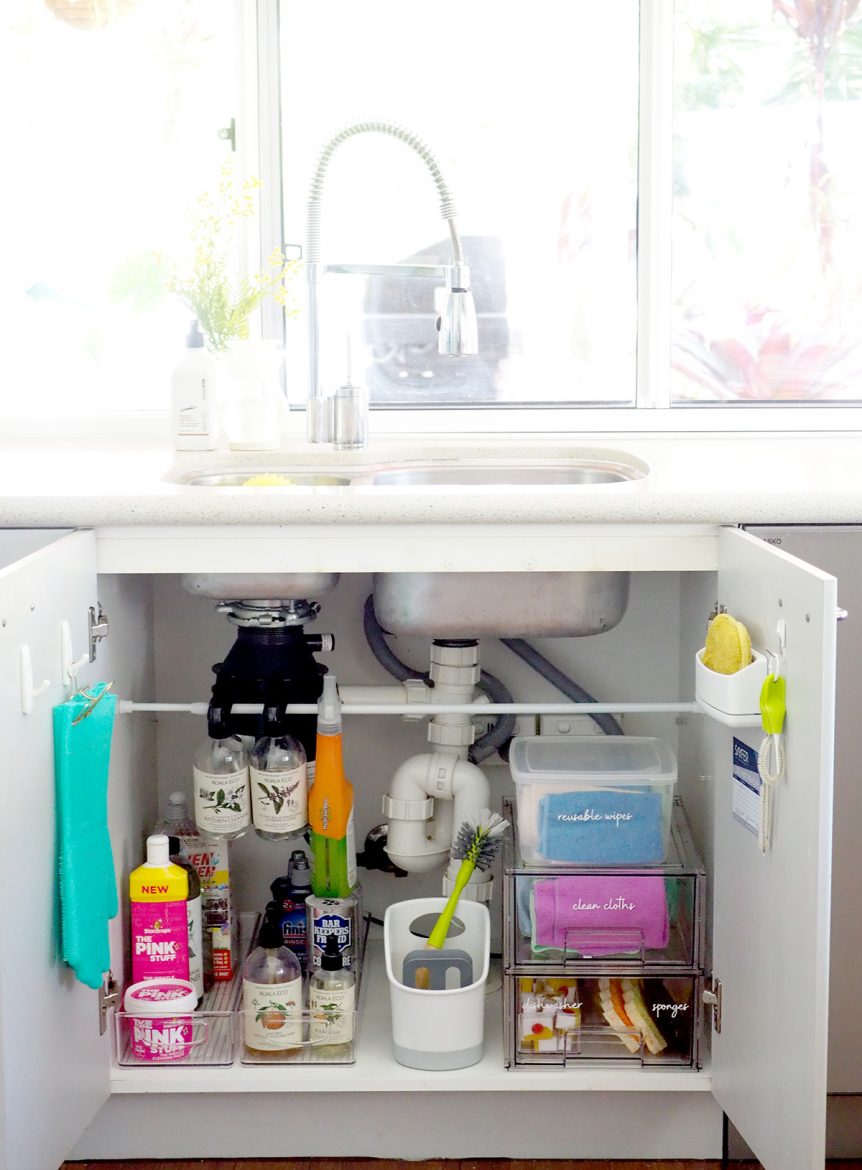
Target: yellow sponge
x=267, y=479
x=728, y=645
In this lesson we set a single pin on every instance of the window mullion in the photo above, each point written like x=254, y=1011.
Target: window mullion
x=655, y=203
x=265, y=154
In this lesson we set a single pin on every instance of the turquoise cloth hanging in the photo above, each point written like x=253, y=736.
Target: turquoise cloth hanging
x=85, y=865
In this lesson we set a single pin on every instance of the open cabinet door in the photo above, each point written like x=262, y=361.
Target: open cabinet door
x=771, y=911
x=55, y=1066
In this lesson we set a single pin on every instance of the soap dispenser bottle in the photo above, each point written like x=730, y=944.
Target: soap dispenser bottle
x=194, y=396
x=271, y=995
x=332, y=1003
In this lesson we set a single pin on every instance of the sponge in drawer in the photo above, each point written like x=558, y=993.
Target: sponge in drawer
x=610, y=826
x=87, y=886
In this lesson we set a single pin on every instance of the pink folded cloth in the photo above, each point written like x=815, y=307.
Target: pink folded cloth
x=602, y=914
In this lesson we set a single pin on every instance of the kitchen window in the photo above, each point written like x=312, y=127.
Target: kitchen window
x=661, y=203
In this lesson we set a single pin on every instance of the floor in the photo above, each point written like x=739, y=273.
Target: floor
x=371, y=1164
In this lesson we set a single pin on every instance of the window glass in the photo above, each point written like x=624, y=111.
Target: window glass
x=767, y=231
x=112, y=115
x=532, y=116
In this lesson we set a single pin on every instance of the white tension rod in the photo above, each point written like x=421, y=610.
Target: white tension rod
x=128, y=707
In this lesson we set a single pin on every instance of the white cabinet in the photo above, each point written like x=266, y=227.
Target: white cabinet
x=771, y=913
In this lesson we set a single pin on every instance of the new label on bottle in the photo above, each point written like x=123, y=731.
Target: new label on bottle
x=272, y=1015
x=279, y=800
x=332, y=1016
x=222, y=801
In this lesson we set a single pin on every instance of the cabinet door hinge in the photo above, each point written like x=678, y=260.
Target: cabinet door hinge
x=109, y=997
x=712, y=998
x=98, y=628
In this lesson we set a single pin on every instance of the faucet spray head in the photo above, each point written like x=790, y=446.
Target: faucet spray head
x=459, y=334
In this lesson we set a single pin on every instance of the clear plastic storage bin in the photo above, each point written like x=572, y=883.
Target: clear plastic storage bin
x=618, y=918
x=562, y=1021
x=589, y=800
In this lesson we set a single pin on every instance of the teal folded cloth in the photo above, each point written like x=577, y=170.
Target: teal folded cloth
x=85, y=864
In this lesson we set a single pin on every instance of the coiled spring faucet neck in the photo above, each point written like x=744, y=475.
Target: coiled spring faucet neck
x=457, y=323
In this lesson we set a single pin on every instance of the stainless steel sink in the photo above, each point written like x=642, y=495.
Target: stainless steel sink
x=578, y=472
x=240, y=477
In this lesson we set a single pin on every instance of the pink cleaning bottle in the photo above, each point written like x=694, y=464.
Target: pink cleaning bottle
x=158, y=891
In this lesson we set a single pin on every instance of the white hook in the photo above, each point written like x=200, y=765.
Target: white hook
x=28, y=691
x=70, y=664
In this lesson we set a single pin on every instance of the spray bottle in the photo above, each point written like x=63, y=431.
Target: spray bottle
x=330, y=804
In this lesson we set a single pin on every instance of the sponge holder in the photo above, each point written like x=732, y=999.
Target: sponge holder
x=732, y=699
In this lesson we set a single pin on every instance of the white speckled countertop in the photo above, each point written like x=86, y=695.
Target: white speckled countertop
x=693, y=479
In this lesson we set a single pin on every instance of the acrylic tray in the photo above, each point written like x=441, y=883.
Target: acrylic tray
x=563, y=1021
x=618, y=919
x=218, y=1026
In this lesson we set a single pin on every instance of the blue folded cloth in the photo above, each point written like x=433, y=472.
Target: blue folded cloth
x=602, y=826
x=87, y=886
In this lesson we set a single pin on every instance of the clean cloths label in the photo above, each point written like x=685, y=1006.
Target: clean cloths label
x=746, y=786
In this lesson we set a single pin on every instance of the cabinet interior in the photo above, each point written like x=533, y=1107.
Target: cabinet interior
x=164, y=642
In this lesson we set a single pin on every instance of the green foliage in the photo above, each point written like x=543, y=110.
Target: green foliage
x=210, y=287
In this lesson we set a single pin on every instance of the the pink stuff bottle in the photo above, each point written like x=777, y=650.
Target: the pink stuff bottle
x=158, y=890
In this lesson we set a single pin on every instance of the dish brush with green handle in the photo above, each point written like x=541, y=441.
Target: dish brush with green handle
x=475, y=845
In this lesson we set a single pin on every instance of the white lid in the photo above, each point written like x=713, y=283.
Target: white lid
x=178, y=807
x=158, y=850
x=159, y=997
x=607, y=758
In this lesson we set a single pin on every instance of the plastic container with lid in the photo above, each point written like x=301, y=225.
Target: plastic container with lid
x=592, y=800
x=159, y=1016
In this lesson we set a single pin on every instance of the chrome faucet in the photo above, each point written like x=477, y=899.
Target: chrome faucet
x=456, y=324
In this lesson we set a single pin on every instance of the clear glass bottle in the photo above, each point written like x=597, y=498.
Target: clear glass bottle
x=221, y=781
x=271, y=996
x=194, y=917
x=177, y=820
x=279, y=787
x=331, y=1004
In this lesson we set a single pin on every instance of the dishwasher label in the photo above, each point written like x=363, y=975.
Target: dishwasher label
x=746, y=786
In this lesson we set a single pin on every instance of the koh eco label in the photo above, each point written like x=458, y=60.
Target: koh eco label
x=272, y=1015
x=221, y=802
x=332, y=1014
x=279, y=800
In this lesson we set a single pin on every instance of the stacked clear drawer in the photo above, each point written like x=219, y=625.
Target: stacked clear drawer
x=604, y=964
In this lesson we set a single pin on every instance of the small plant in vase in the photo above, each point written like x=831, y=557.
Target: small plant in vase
x=223, y=302
x=210, y=285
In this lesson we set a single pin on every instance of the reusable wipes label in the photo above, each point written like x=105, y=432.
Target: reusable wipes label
x=590, y=816
x=746, y=786
x=279, y=800
x=221, y=802
x=194, y=921
x=332, y=1014
x=272, y=1015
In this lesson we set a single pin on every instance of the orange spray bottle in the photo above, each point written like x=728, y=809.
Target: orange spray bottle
x=330, y=804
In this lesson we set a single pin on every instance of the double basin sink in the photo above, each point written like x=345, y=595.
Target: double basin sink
x=434, y=473
x=444, y=604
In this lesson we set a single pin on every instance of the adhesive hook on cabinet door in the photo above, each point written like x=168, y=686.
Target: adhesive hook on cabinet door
x=28, y=691
x=70, y=664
